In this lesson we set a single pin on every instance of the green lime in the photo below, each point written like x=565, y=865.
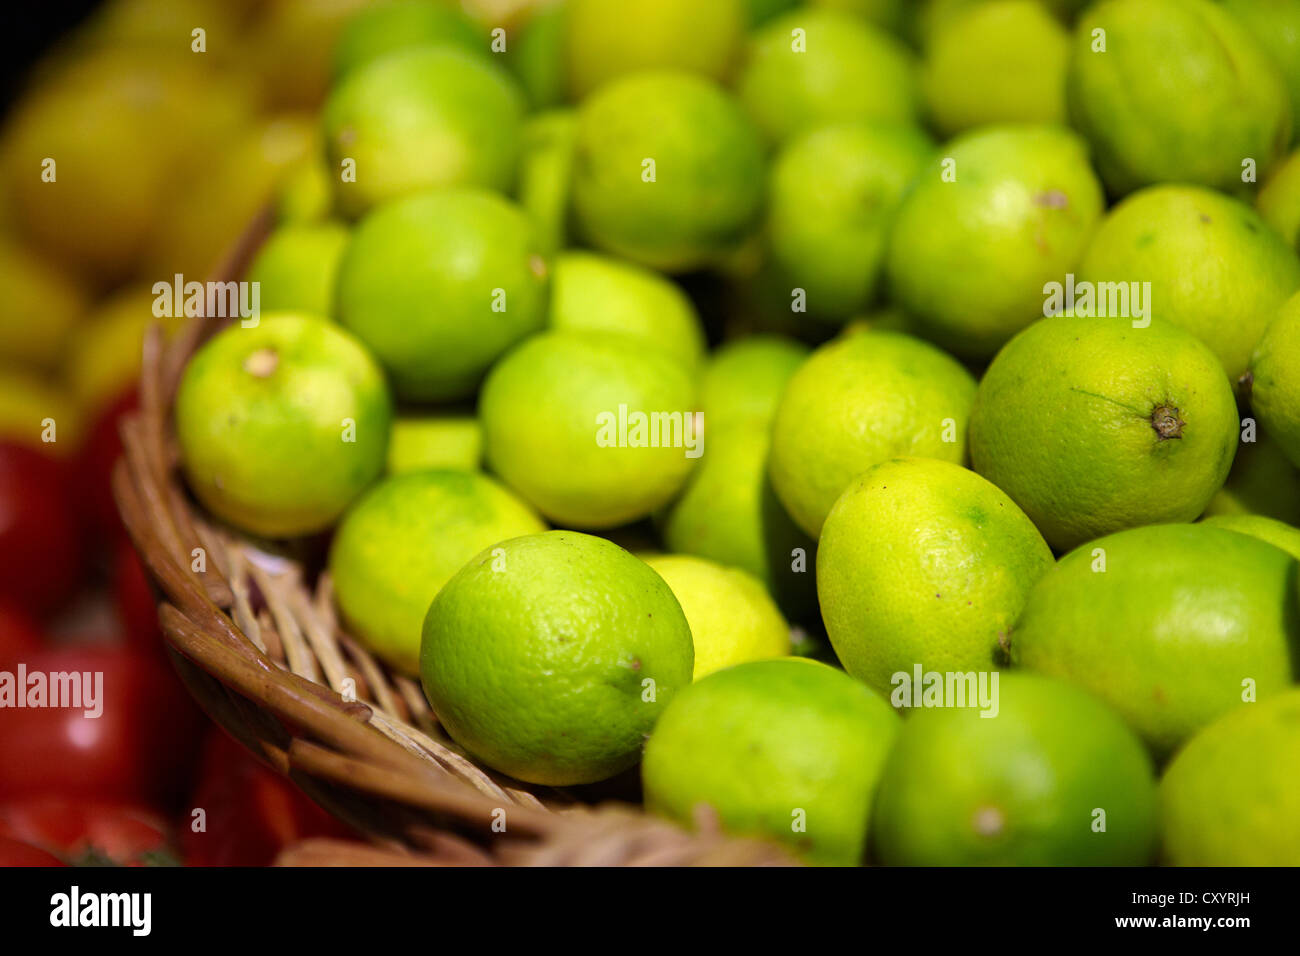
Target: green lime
x=596, y=293
x=1231, y=797
x=421, y=117
x=890, y=14
x=447, y=440
x=668, y=171
x=860, y=400
x=790, y=749
x=297, y=266
x=550, y=657
x=760, y=11
x=1092, y=426
x=745, y=378
x=732, y=618
x=604, y=41
x=924, y=562
x=1174, y=91
x=538, y=57
x=306, y=194
x=546, y=173
x=592, y=428
x=1000, y=213
x=998, y=62
x=1054, y=779
x=1261, y=482
x=400, y=543
x=1275, y=379
x=1171, y=624
x=811, y=67
x=391, y=25
x=832, y=199
x=1279, y=200
x=1277, y=533
x=282, y=425
x=1244, y=270
x=439, y=285
x=1275, y=25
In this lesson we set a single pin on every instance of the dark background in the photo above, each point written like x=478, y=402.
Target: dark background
x=27, y=29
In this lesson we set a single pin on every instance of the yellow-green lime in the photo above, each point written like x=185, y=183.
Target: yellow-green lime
x=391, y=25
x=1275, y=24
x=1231, y=797
x=1171, y=624
x=1174, y=91
x=732, y=618
x=999, y=213
x=546, y=174
x=418, y=118
x=1277, y=533
x=282, y=425
x=1054, y=779
x=1244, y=270
x=550, y=657
x=1275, y=380
x=744, y=379
x=1279, y=200
x=537, y=55
x=600, y=293
x=297, y=267
x=811, y=67
x=436, y=440
x=789, y=749
x=1092, y=426
x=1262, y=481
x=668, y=170
x=439, y=285
x=401, y=542
x=890, y=14
x=860, y=400
x=922, y=562
x=592, y=428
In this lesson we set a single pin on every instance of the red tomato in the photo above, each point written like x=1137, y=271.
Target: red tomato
x=141, y=747
x=40, y=547
x=17, y=853
x=19, y=635
x=137, y=608
x=88, y=831
x=100, y=449
x=251, y=812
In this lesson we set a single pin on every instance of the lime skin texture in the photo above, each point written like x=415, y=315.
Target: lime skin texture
x=439, y=285
x=405, y=538
x=390, y=25
x=1091, y=426
x=858, y=400
x=1275, y=380
x=282, y=425
x=922, y=561
x=1231, y=797
x=421, y=118
x=297, y=267
x=1024, y=788
x=550, y=657
x=550, y=412
x=1181, y=624
x=789, y=748
x=1277, y=533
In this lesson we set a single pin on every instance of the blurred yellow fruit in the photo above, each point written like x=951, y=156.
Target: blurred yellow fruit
x=104, y=358
x=42, y=305
x=291, y=49
x=36, y=412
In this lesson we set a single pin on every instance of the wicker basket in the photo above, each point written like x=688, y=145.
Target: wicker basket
x=259, y=646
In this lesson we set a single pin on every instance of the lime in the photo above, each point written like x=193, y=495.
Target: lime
x=440, y=284
x=745, y=378
x=969, y=256
x=305, y=194
x=282, y=425
x=1275, y=24
x=760, y=11
x=1091, y=426
x=602, y=294
x=890, y=14
x=832, y=198
x=1277, y=533
x=403, y=540
x=550, y=657
x=811, y=67
x=297, y=266
x=290, y=47
x=1174, y=91
x=668, y=171
x=538, y=57
x=1275, y=380
x=999, y=62
x=448, y=440
x=592, y=428
x=1056, y=779
x=392, y=25
x=1279, y=200
x=1231, y=797
x=732, y=618
x=1244, y=272
x=426, y=116
x=923, y=562
x=545, y=174
x=1261, y=481
x=790, y=749
x=606, y=40
x=42, y=308
x=1171, y=624
x=858, y=401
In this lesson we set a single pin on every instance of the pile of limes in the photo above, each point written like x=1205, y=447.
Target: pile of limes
x=814, y=403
